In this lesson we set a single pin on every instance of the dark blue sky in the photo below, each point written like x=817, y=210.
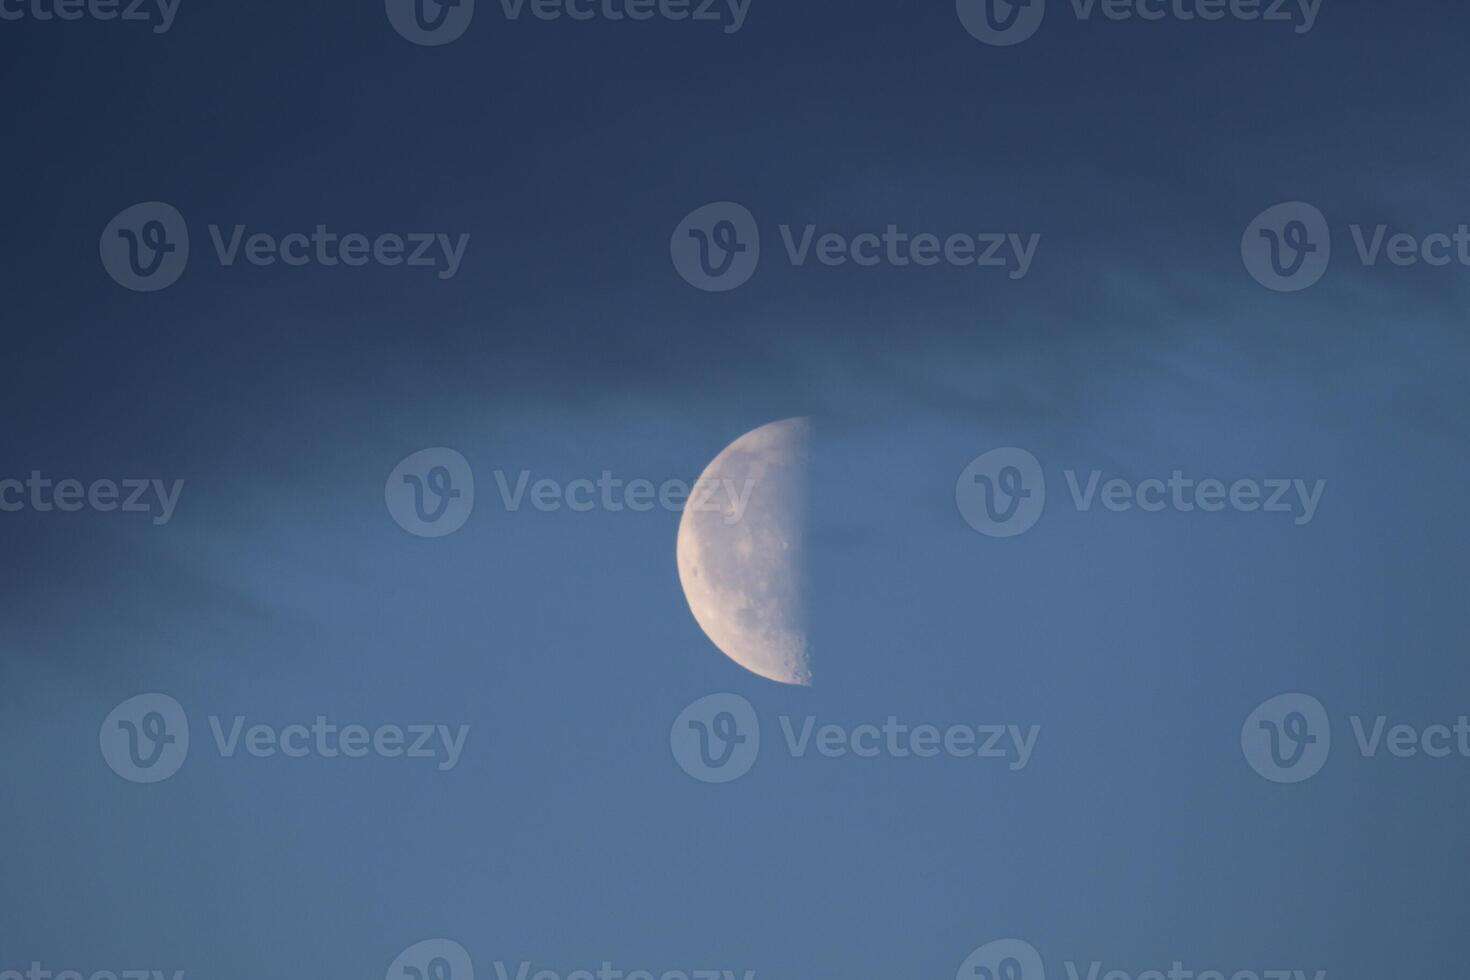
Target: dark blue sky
x=567, y=343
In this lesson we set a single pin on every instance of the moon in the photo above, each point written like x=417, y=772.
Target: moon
x=742, y=551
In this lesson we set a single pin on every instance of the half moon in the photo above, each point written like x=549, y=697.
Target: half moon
x=742, y=551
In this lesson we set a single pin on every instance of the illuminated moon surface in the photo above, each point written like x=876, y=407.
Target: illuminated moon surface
x=742, y=551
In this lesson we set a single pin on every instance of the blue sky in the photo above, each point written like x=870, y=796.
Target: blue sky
x=567, y=344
